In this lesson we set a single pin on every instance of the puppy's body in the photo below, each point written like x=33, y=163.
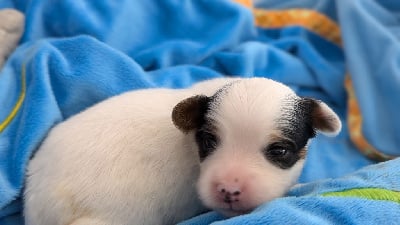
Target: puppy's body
x=115, y=162
x=124, y=161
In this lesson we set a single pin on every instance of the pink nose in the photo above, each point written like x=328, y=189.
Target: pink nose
x=229, y=193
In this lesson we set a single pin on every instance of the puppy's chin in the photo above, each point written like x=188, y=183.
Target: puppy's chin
x=233, y=209
x=238, y=208
x=232, y=212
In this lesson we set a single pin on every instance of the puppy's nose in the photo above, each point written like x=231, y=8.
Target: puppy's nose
x=229, y=193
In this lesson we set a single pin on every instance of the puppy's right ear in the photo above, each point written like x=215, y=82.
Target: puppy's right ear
x=189, y=113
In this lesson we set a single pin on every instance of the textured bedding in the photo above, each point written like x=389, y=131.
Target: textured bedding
x=74, y=54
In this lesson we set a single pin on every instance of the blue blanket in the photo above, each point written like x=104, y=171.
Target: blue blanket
x=76, y=53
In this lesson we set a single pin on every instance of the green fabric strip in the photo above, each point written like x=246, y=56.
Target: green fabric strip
x=368, y=193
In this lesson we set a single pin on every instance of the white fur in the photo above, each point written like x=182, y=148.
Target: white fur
x=246, y=119
x=119, y=162
x=124, y=162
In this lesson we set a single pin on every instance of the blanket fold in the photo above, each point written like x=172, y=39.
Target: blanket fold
x=368, y=196
x=74, y=54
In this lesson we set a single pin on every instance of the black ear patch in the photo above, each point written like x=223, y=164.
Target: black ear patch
x=189, y=113
x=300, y=119
x=296, y=122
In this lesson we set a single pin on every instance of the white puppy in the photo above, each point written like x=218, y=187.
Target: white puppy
x=239, y=143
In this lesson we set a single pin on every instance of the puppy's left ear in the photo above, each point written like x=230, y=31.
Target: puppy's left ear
x=324, y=118
x=189, y=114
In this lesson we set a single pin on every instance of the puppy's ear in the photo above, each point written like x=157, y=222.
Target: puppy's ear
x=189, y=113
x=324, y=118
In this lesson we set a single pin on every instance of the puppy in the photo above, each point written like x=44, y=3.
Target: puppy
x=160, y=156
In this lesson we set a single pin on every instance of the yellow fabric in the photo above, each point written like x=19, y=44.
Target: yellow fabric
x=309, y=19
x=18, y=104
x=354, y=121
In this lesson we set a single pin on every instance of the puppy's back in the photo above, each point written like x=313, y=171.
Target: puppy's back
x=112, y=161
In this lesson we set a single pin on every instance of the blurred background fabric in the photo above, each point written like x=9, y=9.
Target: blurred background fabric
x=74, y=54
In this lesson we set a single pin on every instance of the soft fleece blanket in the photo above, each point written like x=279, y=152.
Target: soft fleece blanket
x=76, y=53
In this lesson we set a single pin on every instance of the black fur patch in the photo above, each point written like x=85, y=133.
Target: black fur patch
x=206, y=136
x=282, y=153
x=296, y=125
x=207, y=141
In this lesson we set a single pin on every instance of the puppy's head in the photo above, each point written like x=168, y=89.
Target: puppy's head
x=252, y=137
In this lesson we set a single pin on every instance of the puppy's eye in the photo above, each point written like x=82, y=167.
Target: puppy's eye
x=277, y=151
x=209, y=140
x=207, y=143
x=283, y=153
